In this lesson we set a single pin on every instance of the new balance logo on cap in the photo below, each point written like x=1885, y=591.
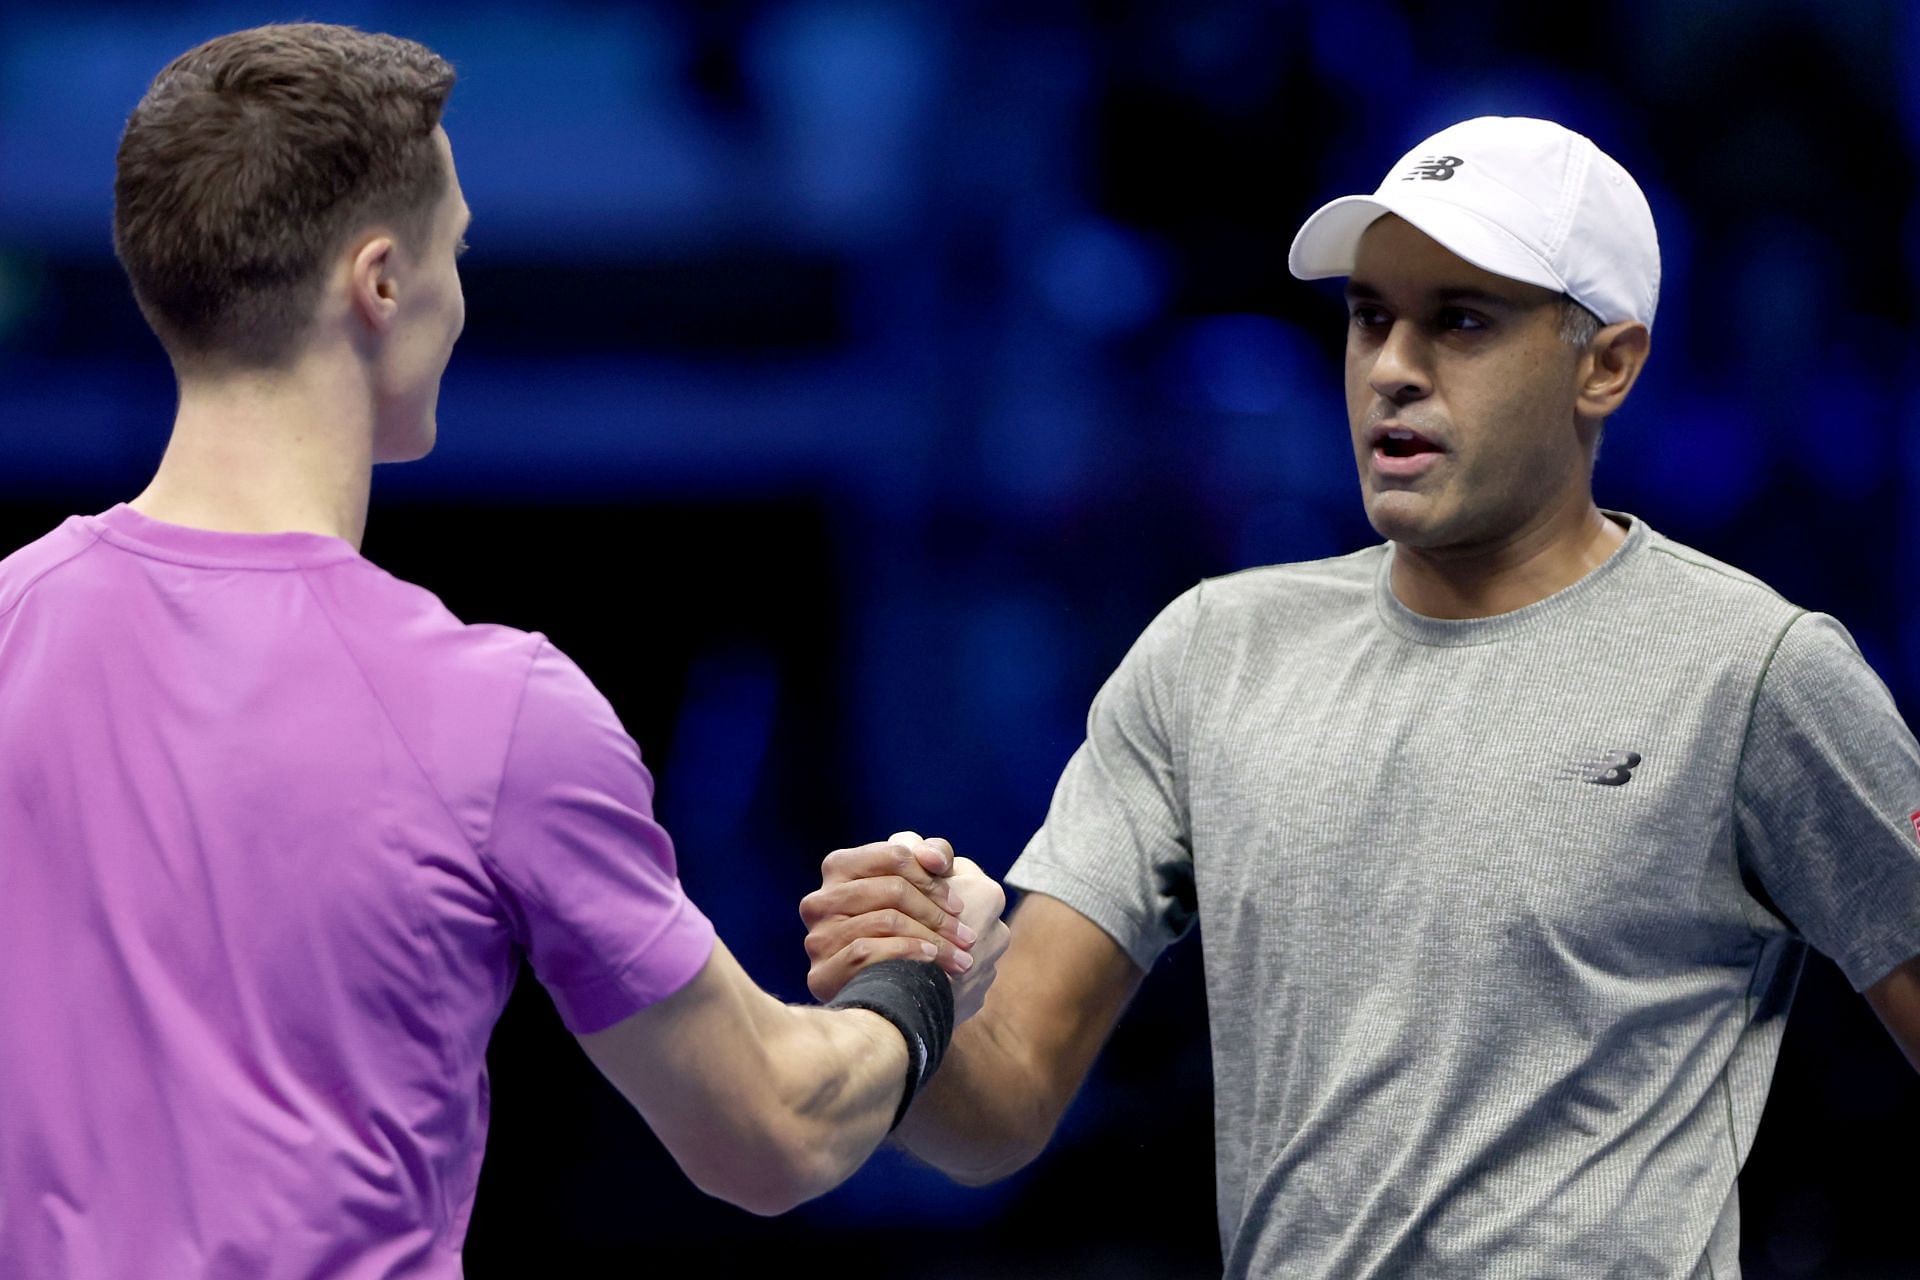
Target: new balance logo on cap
x=1435, y=169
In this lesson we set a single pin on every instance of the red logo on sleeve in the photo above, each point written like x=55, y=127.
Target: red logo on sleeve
x=1914, y=818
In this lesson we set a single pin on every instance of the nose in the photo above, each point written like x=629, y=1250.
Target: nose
x=1399, y=373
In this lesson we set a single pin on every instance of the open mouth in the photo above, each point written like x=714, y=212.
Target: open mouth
x=1398, y=442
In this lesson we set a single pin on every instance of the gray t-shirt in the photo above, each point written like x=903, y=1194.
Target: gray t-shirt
x=1502, y=916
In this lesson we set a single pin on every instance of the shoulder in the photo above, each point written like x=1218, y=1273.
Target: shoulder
x=40, y=559
x=399, y=630
x=1223, y=622
x=1707, y=585
x=495, y=683
x=1812, y=659
x=1308, y=593
x=451, y=691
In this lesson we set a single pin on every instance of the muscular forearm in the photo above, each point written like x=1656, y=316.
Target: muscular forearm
x=836, y=1078
x=762, y=1104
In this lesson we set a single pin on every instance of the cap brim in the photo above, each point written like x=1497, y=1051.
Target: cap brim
x=1329, y=240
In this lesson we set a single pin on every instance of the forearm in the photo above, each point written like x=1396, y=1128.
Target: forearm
x=836, y=1076
x=988, y=1112
x=762, y=1104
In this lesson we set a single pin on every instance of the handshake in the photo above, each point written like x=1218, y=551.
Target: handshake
x=906, y=898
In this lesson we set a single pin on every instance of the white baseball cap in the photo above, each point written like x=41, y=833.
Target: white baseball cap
x=1526, y=199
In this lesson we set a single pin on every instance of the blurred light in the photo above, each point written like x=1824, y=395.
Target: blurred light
x=1009, y=648
x=1705, y=457
x=1782, y=281
x=718, y=747
x=1245, y=363
x=1224, y=53
x=585, y=130
x=1281, y=425
x=67, y=83
x=847, y=88
x=1036, y=443
x=1838, y=432
x=1365, y=44
x=1101, y=277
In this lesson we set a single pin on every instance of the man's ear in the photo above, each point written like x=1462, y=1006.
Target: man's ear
x=1610, y=365
x=370, y=283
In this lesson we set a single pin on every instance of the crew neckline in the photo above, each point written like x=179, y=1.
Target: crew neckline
x=131, y=530
x=1422, y=629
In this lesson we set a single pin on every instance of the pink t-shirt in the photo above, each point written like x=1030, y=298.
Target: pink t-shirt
x=274, y=826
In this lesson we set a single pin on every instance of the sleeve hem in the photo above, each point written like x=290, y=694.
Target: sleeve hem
x=1878, y=959
x=641, y=980
x=1142, y=945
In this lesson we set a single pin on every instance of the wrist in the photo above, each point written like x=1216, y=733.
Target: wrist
x=916, y=997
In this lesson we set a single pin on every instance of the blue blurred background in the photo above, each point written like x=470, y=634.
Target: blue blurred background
x=847, y=382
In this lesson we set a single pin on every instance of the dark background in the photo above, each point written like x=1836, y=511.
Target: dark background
x=846, y=384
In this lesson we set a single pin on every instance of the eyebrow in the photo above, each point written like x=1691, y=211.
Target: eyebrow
x=1361, y=291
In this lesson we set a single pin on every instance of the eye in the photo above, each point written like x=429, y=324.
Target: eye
x=1365, y=315
x=1460, y=321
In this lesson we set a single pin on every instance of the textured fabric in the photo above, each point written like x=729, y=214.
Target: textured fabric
x=273, y=828
x=1502, y=916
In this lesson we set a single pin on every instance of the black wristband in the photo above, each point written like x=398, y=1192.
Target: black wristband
x=917, y=997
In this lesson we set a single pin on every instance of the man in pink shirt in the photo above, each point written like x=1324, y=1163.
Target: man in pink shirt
x=274, y=825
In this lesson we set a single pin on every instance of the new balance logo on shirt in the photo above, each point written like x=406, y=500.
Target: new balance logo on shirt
x=1614, y=769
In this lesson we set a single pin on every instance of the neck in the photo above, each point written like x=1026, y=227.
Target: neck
x=1482, y=581
x=279, y=452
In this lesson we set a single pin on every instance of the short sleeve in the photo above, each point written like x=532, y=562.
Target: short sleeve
x=1116, y=844
x=1827, y=800
x=587, y=875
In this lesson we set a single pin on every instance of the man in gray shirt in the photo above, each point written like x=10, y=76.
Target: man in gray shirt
x=1509, y=834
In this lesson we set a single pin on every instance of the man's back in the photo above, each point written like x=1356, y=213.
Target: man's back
x=271, y=825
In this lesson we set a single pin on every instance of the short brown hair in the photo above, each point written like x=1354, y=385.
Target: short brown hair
x=250, y=160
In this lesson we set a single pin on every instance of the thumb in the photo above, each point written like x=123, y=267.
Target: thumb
x=936, y=855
